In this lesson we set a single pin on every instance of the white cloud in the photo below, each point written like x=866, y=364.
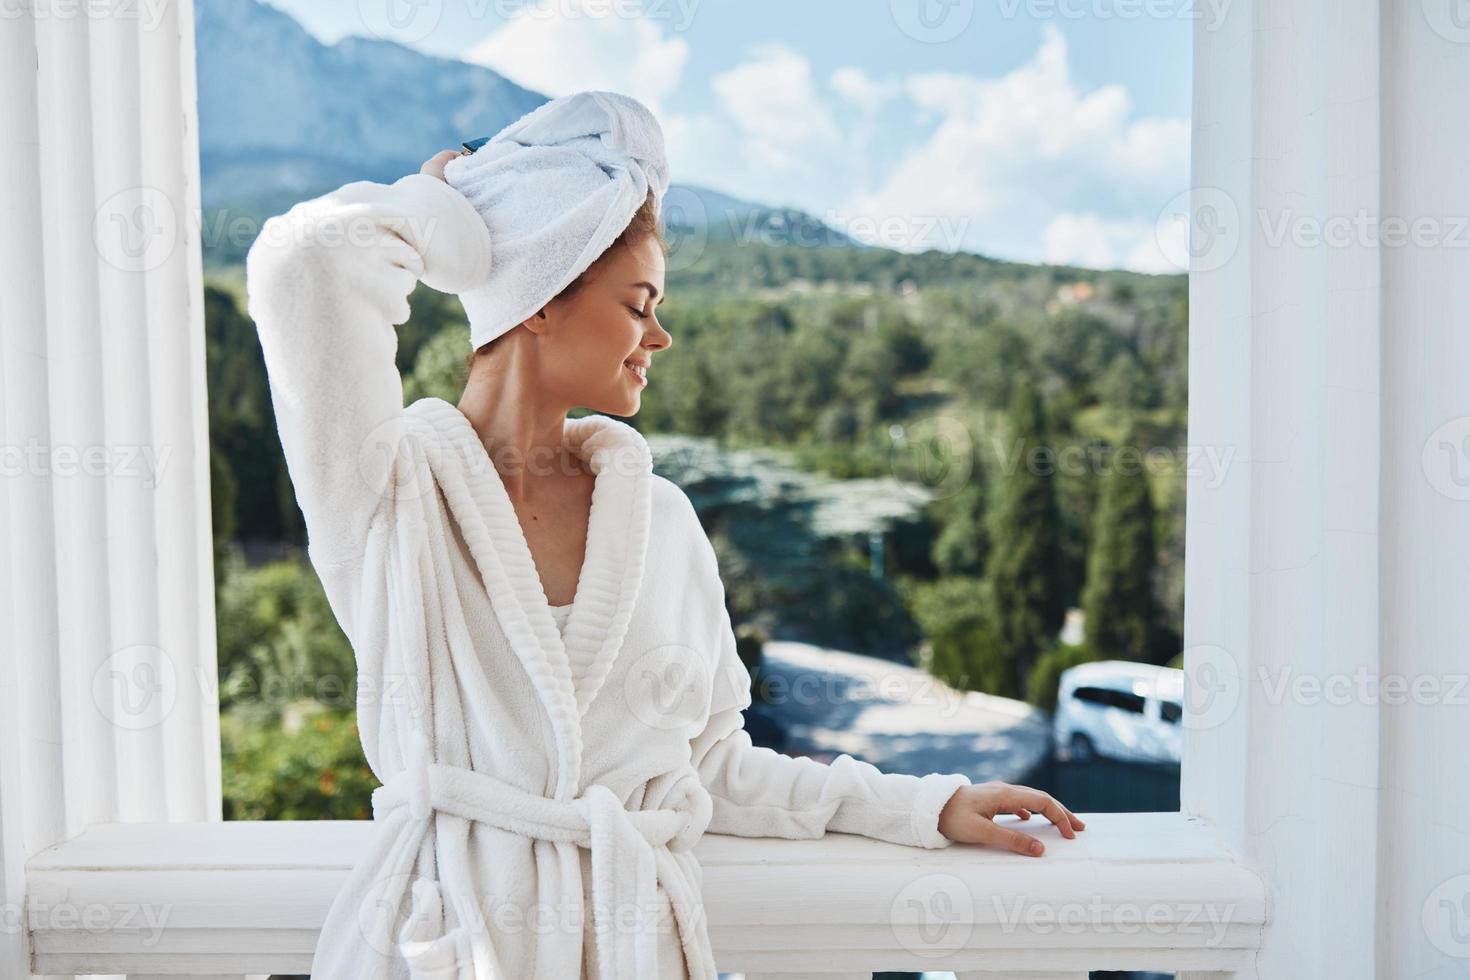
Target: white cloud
x=773, y=134
x=1033, y=112
x=1025, y=165
x=1152, y=149
x=1029, y=153
x=862, y=90
x=1161, y=250
x=563, y=46
x=1084, y=239
x=775, y=107
x=1079, y=239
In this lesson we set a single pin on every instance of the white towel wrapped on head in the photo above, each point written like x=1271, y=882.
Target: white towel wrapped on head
x=556, y=188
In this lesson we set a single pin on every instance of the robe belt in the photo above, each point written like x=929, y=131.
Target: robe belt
x=625, y=866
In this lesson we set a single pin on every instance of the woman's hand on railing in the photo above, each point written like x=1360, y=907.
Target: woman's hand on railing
x=434, y=166
x=969, y=815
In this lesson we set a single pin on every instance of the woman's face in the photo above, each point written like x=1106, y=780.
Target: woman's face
x=591, y=339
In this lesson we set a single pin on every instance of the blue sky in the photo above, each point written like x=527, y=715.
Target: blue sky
x=1036, y=130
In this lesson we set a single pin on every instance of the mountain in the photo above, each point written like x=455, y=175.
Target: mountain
x=731, y=219
x=281, y=112
x=284, y=117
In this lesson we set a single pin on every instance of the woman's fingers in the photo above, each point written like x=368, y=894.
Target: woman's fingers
x=1011, y=840
x=434, y=166
x=1043, y=803
x=976, y=824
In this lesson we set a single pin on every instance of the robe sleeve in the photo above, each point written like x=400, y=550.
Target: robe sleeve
x=758, y=792
x=326, y=284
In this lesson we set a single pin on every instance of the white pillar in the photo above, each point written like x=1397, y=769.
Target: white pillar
x=108, y=706
x=1423, y=827
x=1325, y=355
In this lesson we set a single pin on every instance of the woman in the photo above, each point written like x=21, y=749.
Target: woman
x=547, y=678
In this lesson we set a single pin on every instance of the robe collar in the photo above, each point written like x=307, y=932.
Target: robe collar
x=608, y=583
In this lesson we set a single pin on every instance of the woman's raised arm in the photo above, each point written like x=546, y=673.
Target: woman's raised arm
x=327, y=282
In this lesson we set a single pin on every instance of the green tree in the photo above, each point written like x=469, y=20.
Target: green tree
x=987, y=362
x=955, y=614
x=1025, y=562
x=1124, y=386
x=1118, y=600
x=279, y=641
x=246, y=460
x=439, y=370
x=310, y=767
x=1041, y=686
x=963, y=541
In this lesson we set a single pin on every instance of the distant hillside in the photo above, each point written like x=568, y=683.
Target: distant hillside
x=283, y=117
x=281, y=112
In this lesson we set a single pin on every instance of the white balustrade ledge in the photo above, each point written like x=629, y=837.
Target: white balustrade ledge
x=1134, y=891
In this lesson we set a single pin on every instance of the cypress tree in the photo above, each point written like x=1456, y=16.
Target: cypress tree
x=1025, y=562
x=1118, y=600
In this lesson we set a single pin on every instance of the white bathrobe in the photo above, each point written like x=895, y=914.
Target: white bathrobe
x=530, y=780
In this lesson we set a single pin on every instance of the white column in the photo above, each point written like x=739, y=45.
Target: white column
x=1423, y=827
x=108, y=705
x=1326, y=354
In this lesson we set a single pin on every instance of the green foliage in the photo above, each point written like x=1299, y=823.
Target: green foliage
x=779, y=574
x=441, y=369
x=1041, y=686
x=1124, y=386
x=222, y=493
x=1118, y=602
x=312, y=768
x=986, y=363
x=1075, y=347
x=431, y=314
x=279, y=642
x=1025, y=570
x=251, y=488
x=962, y=544
x=957, y=616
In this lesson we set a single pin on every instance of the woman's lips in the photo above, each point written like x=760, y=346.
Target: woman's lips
x=642, y=381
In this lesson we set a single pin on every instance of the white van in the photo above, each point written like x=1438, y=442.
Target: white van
x=1118, y=709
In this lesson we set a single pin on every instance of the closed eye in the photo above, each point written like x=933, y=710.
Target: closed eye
x=638, y=313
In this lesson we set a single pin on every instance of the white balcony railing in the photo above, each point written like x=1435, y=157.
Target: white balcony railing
x=1134, y=891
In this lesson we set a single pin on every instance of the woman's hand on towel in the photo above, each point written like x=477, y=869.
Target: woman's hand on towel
x=434, y=166
x=968, y=817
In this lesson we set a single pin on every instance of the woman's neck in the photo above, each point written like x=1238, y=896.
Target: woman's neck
x=523, y=434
